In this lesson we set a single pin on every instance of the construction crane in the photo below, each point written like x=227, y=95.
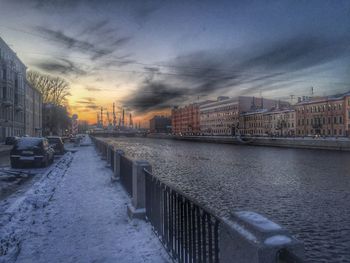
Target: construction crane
x=101, y=118
x=130, y=121
x=123, y=118
x=108, y=119
x=114, y=116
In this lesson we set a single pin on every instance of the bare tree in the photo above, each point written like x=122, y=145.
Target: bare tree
x=54, y=90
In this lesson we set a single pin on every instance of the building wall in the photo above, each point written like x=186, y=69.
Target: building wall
x=347, y=115
x=326, y=116
x=185, y=120
x=268, y=122
x=280, y=122
x=219, y=117
x=160, y=124
x=33, y=115
x=12, y=93
x=252, y=123
x=222, y=117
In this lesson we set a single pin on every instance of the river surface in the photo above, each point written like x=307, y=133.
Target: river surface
x=307, y=191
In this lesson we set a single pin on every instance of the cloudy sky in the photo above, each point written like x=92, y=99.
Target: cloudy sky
x=147, y=56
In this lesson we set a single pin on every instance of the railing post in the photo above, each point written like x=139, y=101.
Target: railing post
x=248, y=237
x=117, y=155
x=137, y=208
x=109, y=150
x=104, y=150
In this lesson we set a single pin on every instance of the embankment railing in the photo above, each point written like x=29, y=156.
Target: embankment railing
x=192, y=233
x=126, y=173
x=189, y=232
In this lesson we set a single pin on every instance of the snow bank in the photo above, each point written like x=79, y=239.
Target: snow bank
x=17, y=217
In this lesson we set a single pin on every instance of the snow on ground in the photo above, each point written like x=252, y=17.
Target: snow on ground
x=77, y=215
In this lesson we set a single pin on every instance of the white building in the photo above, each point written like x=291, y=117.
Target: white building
x=221, y=117
x=12, y=93
x=280, y=122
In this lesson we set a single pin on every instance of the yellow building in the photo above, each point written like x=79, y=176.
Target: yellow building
x=327, y=116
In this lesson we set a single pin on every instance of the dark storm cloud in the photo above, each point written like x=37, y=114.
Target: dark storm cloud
x=299, y=52
x=60, y=66
x=267, y=67
x=93, y=47
x=154, y=95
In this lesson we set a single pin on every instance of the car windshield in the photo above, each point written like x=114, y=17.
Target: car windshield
x=27, y=143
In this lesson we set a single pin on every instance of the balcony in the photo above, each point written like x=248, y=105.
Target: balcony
x=19, y=107
x=6, y=102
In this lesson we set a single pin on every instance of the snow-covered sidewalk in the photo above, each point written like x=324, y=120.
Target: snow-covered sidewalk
x=85, y=220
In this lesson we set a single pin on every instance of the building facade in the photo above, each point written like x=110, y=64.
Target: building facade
x=252, y=123
x=222, y=117
x=185, y=120
x=280, y=122
x=33, y=114
x=327, y=116
x=160, y=124
x=12, y=93
x=219, y=117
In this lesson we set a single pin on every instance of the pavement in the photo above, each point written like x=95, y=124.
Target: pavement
x=76, y=214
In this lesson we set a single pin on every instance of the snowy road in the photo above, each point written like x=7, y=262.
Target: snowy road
x=84, y=220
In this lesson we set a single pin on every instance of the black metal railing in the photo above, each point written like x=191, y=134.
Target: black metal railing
x=111, y=158
x=189, y=232
x=126, y=174
x=286, y=256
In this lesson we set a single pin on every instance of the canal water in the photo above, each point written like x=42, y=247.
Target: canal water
x=307, y=191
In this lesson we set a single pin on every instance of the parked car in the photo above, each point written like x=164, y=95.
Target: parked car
x=31, y=150
x=56, y=143
x=11, y=140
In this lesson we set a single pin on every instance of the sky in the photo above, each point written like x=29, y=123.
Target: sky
x=148, y=56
